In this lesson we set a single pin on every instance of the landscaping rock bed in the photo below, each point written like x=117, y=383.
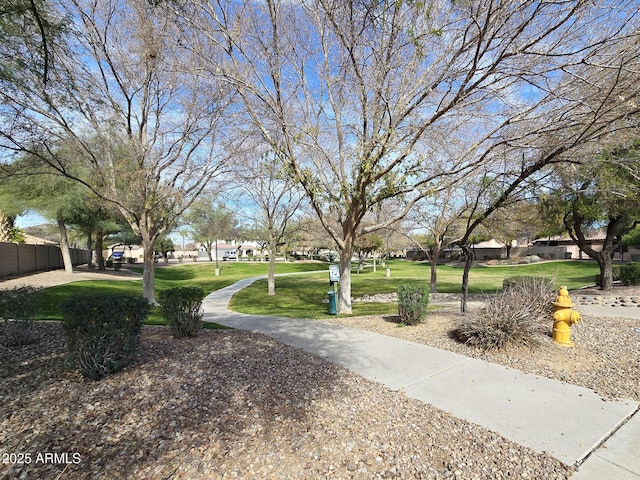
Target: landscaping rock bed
x=608, y=300
x=232, y=404
x=434, y=297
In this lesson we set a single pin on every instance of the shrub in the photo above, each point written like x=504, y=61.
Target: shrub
x=182, y=308
x=18, y=308
x=537, y=292
x=513, y=317
x=103, y=331
x=413, y=302
x=630, y=274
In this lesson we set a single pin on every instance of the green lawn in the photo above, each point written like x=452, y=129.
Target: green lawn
x=303, y=296
x=187, y=274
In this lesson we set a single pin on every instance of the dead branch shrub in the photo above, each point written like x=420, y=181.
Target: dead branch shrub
x=514, y=317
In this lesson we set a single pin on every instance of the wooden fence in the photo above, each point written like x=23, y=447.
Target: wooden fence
x=19, y=259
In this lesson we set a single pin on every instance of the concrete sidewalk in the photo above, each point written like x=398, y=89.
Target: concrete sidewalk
x=566, y=421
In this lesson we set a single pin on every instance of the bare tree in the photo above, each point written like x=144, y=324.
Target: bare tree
x=126, y=96
x=441, y=215
x=273, y=198
x=515, y=222
x=27, y=26
x=355, y=95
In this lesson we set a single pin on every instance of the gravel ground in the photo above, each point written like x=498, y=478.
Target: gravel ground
x=232, y=404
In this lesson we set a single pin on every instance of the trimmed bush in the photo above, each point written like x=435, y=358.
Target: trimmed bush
x=413, y=303
x=103, y=331
x=182, y=308
x=630, y=274
x=18, y=308
x=516, y=316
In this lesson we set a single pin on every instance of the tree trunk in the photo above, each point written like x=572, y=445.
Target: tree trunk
x=344, y=299
x=5, y=228
x=433, y=256
x=606, y=270
x=468, y=260
x=148, y=277
x=99, y=248
x=90, y=248
x=64, y=245
x=271, y=278
x=603, y=257
x=433, y=288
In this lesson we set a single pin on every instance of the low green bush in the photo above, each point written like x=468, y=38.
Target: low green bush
x=516, y=316
x=630, y=273
x=103, y=331
x=18, y=308
x=182, y=308
x=413, y=303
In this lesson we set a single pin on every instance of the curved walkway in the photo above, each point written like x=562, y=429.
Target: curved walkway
x=566, y=421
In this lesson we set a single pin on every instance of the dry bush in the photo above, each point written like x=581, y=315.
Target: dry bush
x=516, y=316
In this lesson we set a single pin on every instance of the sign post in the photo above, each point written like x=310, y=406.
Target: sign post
x=334, y=277
x=334, y=273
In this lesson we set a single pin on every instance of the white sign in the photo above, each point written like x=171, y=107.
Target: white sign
x=334, y=273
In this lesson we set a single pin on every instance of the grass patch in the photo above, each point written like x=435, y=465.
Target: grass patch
x=304, y=296
x=197, y=274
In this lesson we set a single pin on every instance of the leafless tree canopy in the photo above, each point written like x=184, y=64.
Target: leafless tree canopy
x=361, y=100
x=360, y=96
x=125, y=111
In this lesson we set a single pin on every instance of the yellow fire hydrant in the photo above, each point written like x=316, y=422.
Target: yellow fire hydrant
x=563, y=317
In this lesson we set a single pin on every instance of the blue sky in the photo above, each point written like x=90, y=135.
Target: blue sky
x=29, y=220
